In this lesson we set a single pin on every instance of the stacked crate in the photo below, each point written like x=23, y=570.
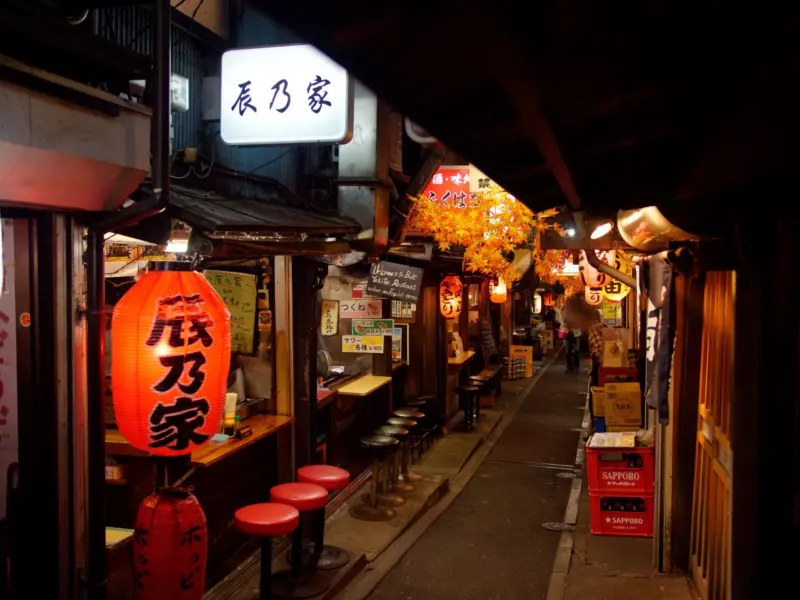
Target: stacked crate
x=621, y=494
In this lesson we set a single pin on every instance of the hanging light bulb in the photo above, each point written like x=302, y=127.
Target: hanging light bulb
x=602, y=229
x=498, y=291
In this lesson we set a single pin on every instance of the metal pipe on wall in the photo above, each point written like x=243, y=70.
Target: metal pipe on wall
x=96, y=575
x=95, y=579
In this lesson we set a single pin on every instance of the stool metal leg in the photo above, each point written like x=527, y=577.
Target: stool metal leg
x=265, y=588
x=398, y=483
x=370, y=511
x=384, y=496
x=405, y=474
x=297, y=550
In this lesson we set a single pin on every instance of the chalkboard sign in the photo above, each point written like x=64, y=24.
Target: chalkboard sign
x=487, y=340
x=398, y=282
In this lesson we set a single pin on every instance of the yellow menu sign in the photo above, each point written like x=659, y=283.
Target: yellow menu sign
x=238, y=291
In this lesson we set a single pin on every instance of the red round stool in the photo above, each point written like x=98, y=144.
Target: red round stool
x=332, y=479
x=266, y=521
x=300, y=583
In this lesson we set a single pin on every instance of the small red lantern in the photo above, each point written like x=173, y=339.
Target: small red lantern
x=451, y=293
x=170, y=353
x=548, y=299
x=170, y=547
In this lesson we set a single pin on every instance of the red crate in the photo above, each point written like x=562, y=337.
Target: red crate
x=624, y=514
x=610, y=469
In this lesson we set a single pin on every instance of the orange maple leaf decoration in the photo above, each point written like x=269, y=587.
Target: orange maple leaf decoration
x=489, y=228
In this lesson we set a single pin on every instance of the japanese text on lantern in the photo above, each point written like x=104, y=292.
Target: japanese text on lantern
x=180, y=334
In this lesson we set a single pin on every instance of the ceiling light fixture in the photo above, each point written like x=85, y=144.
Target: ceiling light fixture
x=602, y=229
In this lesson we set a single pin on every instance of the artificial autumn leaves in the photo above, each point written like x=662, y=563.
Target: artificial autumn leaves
x=489, y=227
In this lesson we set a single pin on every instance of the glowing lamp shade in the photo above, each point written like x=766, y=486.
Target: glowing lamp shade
x=170, y=547
x=498, y=291
x=602, y=229
x=450, y=297
x=170, y=352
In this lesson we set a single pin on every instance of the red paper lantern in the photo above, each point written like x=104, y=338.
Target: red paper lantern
x=170, y=353
x=170, y=547
x=548, y=299
x=451, y=293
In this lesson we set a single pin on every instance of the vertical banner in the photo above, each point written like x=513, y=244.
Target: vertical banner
x=659, y=337
x=9, y=436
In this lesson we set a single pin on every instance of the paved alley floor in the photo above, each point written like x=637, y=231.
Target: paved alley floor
x=490, y=543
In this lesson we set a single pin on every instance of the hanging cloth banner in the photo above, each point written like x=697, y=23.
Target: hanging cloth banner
x=659, y=336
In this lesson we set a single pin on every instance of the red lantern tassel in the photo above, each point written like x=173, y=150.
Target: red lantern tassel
x=170, y=547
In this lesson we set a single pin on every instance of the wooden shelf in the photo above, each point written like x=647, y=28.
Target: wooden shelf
x=364, y=386
x=262, y=426
x=461, y=358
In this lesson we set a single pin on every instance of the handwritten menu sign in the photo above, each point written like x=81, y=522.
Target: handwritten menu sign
x=330, y=317
x=373, y=326
x=487, y=339
x=238, y=291
x=368, y=344
x=398, y=282
x=360, y=309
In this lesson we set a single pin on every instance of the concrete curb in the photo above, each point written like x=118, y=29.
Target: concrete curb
x=556, y=589
x=366, y=582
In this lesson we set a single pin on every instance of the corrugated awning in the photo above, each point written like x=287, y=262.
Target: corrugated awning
x=213, y=213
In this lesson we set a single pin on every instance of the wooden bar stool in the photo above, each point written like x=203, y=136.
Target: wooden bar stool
x=299, y=583
x=332, y=479
x=266, y=521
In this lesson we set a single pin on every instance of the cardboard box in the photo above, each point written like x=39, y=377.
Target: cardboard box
x=598, y=401
x=615, y=354
x=548, y=339
x=623, y=405
x=525, y=352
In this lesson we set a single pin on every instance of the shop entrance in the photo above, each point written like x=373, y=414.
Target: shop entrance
x=711, y=506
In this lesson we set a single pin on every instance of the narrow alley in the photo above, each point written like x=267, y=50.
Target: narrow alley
x=490, y=543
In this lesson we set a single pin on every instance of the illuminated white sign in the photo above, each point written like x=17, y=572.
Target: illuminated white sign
x=284, y=95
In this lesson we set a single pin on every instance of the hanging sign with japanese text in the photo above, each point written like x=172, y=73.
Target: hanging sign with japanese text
x=360, y=309
x=238, y=291
x=170, y=354
x=479, y=182
x=290, y=94
x=613, y=289
x=403, y=310
x=367, y=344
x=591, y=276
x=395, y=281
x=329, y=323
x=372, y=326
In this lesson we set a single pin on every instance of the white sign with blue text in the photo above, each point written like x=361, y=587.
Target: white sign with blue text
x=291, y=94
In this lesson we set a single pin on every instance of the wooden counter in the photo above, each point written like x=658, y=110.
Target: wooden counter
x=461, y=358
x=262, y=426
x=325, y=397
x=364, y=386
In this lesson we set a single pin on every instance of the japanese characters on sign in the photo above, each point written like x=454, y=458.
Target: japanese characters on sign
x=451, y=292
x=9, y=441
x=398, y=282
x=479, y=182
x=329, y=324
x=360, y=309
x=591, y=276
x=450, y=187
x=367, y=344
x=238, y=291
x=284, y=95
x=403, y=310
x=372, y=326
x=175, y=424
x=613, y=289
x=170, y=353
x=593, y=295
